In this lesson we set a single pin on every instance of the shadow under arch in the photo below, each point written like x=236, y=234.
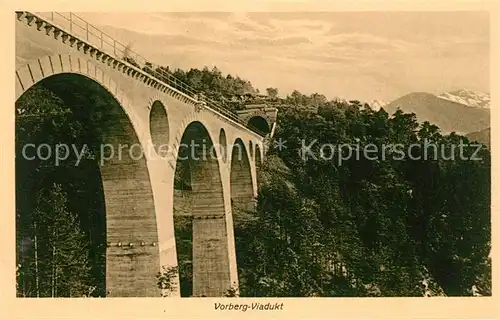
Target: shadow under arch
x=199, y=216
x=258, y=163
x=242, y=195
x=123, y=201
x=260, y=123
x=159, y=127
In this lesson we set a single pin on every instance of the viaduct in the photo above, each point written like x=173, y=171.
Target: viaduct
x=154, y=109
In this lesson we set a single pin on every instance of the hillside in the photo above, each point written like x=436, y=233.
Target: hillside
x=448, y=115
x=483, y=136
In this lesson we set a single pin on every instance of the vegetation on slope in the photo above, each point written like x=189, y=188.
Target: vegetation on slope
x=483, y=136
x=367, y=227
x=360, y=228
x=60, y=211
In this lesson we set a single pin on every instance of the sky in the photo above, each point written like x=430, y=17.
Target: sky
x=351, y=55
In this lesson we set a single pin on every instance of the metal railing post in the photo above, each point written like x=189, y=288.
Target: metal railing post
x=87, y=30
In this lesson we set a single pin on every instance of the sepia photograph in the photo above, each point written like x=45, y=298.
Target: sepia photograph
x=252, y=154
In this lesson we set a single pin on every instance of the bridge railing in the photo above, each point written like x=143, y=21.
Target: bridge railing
x=99, y=39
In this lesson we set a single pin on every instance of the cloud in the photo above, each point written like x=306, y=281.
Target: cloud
x=389, y=53
x=274, y=42
x=367, y=41
x=245, y=26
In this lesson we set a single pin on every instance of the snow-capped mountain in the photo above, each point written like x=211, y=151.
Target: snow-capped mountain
x=377, y=104
x=468, y=98
x=448, y=115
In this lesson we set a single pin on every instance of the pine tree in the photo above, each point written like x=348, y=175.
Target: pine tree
x=62, y=250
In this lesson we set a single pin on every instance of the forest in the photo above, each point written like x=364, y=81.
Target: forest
x=364, y=228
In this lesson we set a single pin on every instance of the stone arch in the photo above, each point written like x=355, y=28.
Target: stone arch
x=132, y=254
x=242, y=195
x=260, y=123
x=196, y=116
x=35, y=71
x=200, y=213
x=159, y=126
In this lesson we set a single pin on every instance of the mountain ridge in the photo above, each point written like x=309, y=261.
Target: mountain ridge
x=468, y=97
x=449, y=116
x=465, y=97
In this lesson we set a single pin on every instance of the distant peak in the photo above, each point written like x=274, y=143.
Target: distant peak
x=468, y=97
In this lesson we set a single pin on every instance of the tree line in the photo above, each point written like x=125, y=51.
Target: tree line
x=367, y=227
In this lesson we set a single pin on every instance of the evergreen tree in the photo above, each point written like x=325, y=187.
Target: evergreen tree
x=58, y=263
